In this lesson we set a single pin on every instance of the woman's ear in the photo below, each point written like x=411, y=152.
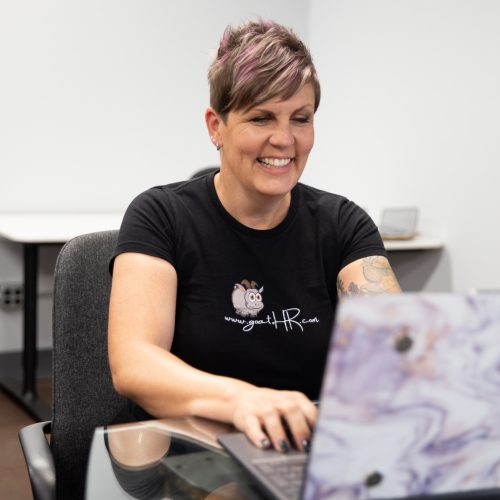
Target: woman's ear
x=213, y=121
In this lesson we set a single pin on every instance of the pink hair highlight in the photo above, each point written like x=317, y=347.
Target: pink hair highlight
x=258, y=61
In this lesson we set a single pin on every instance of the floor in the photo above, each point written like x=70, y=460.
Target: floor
x=14, y=481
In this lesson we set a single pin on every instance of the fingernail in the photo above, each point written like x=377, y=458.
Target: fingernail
x=265, y=443
x=306, y=444
x=284, y=446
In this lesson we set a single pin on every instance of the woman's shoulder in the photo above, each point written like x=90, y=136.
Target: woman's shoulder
x=326, y=206
x=320, y=197
x=171, y=193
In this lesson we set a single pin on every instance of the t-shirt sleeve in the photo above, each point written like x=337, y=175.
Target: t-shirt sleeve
x=358, y=233
x=148, y=227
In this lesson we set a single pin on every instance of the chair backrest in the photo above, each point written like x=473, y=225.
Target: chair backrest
x=83, y=394
x=204, y=171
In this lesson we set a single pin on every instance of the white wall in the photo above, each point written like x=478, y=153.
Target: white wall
x=101, y=100
x=410, y=116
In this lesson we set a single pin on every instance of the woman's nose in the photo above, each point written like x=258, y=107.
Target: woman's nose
x=282, y=136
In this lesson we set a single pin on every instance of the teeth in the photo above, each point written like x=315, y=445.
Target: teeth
x=275, y=162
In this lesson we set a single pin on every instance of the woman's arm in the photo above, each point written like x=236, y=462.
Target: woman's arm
x=369, y=275
x=141, y=329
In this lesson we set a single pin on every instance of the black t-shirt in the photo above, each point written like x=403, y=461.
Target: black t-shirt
x=257, y=305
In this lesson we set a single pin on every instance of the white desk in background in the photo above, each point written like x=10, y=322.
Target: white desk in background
x=33, y=231
x=420, y=264
x=417, y=243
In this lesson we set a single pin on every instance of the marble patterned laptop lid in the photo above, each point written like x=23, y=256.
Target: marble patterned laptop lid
x=410, y=400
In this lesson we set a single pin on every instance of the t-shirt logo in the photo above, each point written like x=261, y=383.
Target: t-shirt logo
x=247, y=298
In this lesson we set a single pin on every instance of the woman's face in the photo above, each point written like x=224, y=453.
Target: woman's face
x=265, y=149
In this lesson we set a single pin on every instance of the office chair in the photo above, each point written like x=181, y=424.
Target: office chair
x=204, y=171
x=83, y=393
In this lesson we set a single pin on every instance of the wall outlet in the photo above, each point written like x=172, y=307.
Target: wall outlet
x=11, y=296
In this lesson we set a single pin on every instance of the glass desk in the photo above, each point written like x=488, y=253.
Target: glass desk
x=163, y=459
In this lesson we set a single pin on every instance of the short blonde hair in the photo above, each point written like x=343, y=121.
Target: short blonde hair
x=258, y=61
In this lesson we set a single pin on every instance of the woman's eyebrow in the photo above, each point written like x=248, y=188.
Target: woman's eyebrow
x=270, y=112
x=260, y=110
x=304, y=108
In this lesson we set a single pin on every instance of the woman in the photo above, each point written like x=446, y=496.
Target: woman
x=224, y=287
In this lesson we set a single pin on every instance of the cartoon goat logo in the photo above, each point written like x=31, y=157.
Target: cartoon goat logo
x=247, y=299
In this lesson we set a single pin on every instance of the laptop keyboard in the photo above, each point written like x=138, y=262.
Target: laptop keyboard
x=286, y=473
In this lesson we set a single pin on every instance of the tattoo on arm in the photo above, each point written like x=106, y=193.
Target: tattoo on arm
x=352, y=289
x=378, y=278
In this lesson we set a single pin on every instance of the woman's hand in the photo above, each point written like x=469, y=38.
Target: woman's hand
x=272, y=418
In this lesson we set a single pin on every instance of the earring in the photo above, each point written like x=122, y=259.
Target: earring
x=218, y=146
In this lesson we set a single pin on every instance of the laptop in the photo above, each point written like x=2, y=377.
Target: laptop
x=410, y=404
x=399, y=223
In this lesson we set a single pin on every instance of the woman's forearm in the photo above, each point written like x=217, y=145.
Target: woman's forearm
x=165, y=386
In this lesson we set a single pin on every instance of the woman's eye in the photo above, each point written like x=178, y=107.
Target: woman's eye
x=259, y=119
x=302, y=119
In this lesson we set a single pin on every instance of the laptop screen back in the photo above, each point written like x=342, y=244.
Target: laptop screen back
x=399, y=223
x=410, y=400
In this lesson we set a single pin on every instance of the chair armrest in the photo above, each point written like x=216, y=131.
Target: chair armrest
x=39, y=460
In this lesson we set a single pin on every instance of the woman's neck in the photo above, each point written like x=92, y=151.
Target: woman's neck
x=254, y=211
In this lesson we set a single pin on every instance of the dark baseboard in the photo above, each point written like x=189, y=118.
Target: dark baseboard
x=11, y=364
x=11, y=382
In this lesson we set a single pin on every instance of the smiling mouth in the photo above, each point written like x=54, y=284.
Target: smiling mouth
x=274, y=162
